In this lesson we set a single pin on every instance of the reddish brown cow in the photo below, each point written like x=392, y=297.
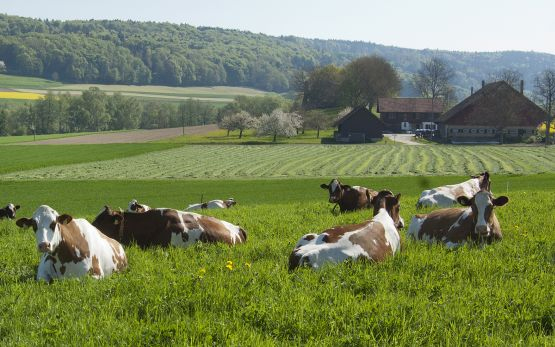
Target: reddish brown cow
x=165, y=227
x=349, y=198
x=454, y=226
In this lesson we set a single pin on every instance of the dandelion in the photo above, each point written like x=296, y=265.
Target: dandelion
x=248, y=265
x=201, y=272
x=229, y=265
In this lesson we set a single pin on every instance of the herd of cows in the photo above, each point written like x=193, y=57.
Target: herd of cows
x=75, y=247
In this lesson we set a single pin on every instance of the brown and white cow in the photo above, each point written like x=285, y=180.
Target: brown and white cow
x=372, y=240
x=212, y=204
x=454, y=226
x=348, y=198
x=446, y=196
x=134, y=206
x=9, y=211
x=72, y=247
x=165, y=227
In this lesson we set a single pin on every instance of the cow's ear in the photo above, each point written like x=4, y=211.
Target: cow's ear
x=64, y=219
x=398, y=197
x=500, y=201
x=17, y=207
x=463, y=200
x=25, y=222
x=324, y=186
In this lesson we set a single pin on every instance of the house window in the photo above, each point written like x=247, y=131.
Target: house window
x=481, y=131
x=521, y=132
x=473, y=131
x=459, y=130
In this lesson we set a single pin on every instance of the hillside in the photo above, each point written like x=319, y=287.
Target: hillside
x=129, y=52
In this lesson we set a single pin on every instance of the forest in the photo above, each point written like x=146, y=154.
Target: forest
x=130, y=52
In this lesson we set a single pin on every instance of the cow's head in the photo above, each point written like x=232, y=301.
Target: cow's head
x=482, y=204
x=108, y=222
x=10, y=210
x=229, y=202
x=335, y=189
x=392, y=204
x=483, y=177
x=45, y=222
x=134, y=206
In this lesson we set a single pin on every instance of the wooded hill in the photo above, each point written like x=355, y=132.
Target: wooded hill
x=129, y=52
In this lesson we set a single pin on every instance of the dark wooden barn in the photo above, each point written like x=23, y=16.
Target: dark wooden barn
x=496, y=113
x=358, y=125
x=409, y=114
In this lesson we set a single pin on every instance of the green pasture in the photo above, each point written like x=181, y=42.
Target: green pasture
x=497, y=295
x=30, y=138
x=17, y=82
x=276, y=161
x=249, y=137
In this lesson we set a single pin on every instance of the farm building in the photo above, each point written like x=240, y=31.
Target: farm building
x=409, y=114
x=358, y=125
x=495, y=113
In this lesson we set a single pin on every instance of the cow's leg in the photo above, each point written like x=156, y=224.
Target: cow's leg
x=45, y=270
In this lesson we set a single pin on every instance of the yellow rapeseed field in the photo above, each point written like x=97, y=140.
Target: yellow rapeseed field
x=20, y=95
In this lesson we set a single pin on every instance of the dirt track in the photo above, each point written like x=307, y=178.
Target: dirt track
x=126, y=137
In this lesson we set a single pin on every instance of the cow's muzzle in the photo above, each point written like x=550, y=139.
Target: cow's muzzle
x=44, y=247
x=482, y=230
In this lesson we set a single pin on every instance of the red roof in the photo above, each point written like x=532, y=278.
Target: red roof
x=409, y=105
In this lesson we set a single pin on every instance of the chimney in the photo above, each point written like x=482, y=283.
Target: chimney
x=483, y=83
x=471, y=90
x=521, y=86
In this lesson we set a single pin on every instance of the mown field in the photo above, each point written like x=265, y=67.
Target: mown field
x=283, y=161
x=497, y=295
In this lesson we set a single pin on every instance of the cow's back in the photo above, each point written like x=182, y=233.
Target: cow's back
x=151, y=228
x=445, y=225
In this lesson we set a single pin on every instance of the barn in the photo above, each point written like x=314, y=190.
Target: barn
x=358, y=125
x=496, y=113
x=409, y=114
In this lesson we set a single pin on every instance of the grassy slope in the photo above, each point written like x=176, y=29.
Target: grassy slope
x=501, y=294
x=20, y=157
x=287, y=161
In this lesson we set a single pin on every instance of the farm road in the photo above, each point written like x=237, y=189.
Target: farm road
x=126, y=137
x=407, y=139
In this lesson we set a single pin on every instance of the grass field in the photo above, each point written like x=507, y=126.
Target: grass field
x=249, y=137
x=282, y=161
x=28, y=138
x=497, y=295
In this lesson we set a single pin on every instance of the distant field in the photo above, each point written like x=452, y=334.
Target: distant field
x=218, y=95
x=291, y=160
x=497, y=295
x=249, y=137
x=30, y=138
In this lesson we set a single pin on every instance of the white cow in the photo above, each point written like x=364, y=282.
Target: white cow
x=134, y=206
x=212, y=204
x=446, y=196
x=72, y=247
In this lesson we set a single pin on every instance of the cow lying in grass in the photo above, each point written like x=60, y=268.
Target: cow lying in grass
x=454, y=226
x=9, y=211
x=212, y=204
x=348, y=198
x=134, y=206
x=372, y=240
x=72, y=247
x=165, y=227
x=446, y=196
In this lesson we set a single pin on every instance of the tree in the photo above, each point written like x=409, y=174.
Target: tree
x=322, y=88
x=278, y=123
x=242, y=120
x=316, y=120
x=544, y=91
x=367, y=78
x=227, y=123
x=433, y=80
x=512, y=77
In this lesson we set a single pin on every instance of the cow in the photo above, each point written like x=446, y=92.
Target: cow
x=9, y=211
x=373, y=240
x=454, y=226
x=134, y=206
x=348, y=198
x=212, y=204
x=165, y=227
x=72, y=247
x=446, y=196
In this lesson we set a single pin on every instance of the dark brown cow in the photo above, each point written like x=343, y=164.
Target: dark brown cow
x=454, y=226
x=9, y=211
x=164, y=227
x=373, y=240
x=348, y=198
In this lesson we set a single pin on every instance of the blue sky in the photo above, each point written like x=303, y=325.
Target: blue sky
x=470, y=25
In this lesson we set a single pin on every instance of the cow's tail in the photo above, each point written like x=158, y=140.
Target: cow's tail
x=243, y=234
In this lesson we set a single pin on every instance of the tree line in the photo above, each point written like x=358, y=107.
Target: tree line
x=94, y=110
x=130, y=52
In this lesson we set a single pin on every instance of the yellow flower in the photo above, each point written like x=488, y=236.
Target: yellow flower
x=201, y=272
x=248, y=265
x=229, y=265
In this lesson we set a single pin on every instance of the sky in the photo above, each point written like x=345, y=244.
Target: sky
x=469, y=25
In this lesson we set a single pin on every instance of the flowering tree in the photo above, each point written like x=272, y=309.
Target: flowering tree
x=279, y=123
x=238, y=121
